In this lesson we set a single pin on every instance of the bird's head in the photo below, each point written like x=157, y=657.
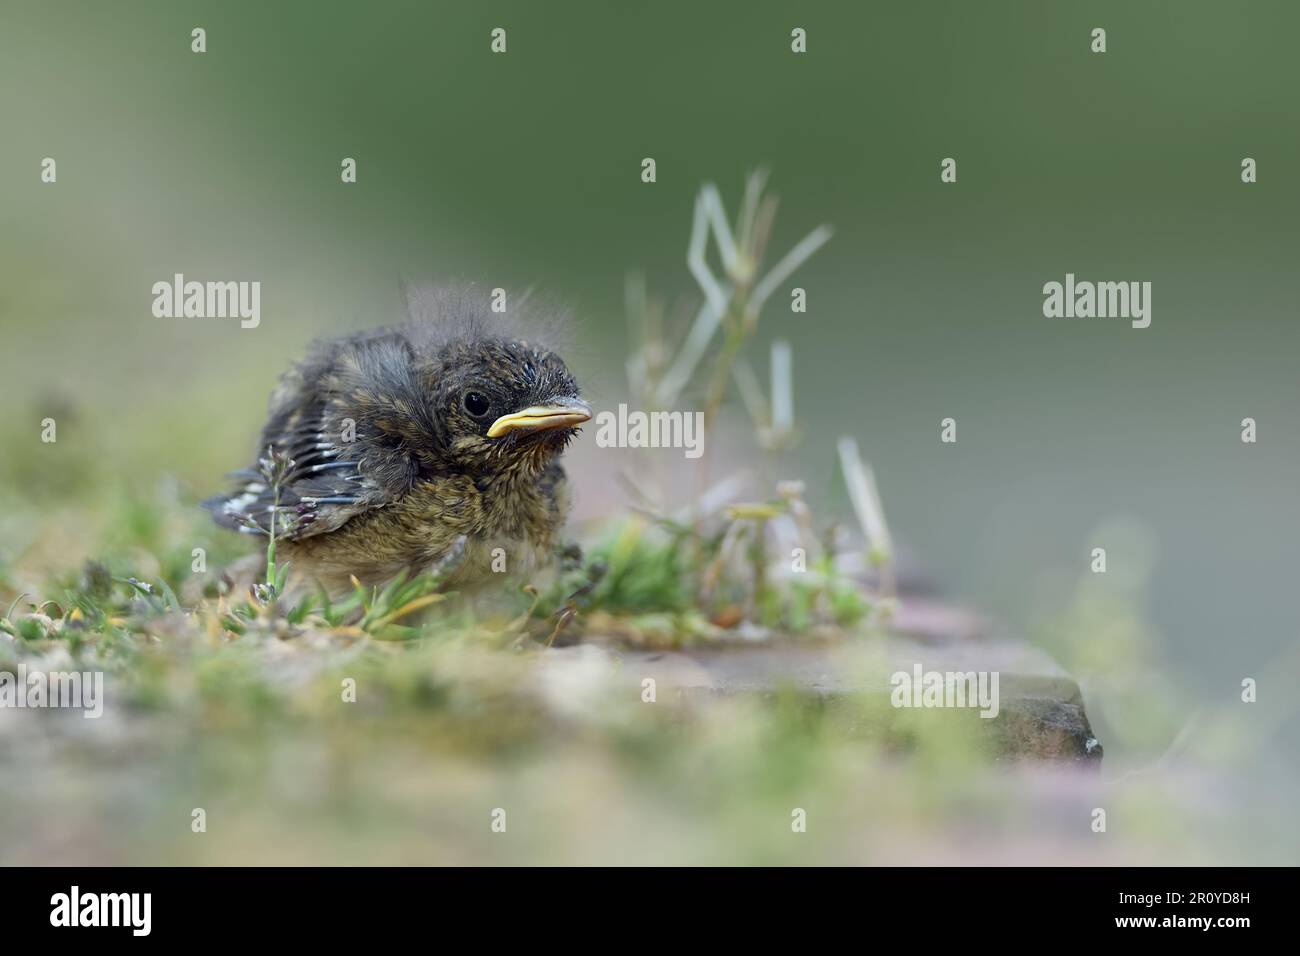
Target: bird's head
x=505, y=404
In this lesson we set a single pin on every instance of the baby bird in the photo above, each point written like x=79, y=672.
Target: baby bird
x=423, y=446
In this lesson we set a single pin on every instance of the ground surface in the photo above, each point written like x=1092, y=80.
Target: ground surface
x=444, y=734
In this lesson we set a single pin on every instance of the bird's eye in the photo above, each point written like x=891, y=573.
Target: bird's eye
x=476, y=404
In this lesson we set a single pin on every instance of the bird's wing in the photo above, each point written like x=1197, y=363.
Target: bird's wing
x=312, y=474
x=305, y=481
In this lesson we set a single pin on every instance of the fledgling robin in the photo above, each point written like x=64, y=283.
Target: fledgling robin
x=422, y=446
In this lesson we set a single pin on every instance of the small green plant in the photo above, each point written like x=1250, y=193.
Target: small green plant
x=273, y=469
x=761, y=561
x=660, y=373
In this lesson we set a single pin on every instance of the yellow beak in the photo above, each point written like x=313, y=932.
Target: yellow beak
x=564, y=414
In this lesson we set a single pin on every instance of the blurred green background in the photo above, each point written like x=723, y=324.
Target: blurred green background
x=523, y=170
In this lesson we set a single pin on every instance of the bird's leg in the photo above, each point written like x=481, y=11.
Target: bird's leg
x=571, y=558
x=593, y=574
